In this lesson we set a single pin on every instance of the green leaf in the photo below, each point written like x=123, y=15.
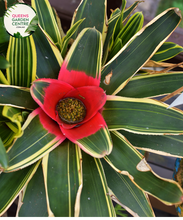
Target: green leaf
x=62, y=173
x=6, y=4
x=47, y=20
x=127, y=193
x=152, y=85
x=35, y=142
x=3, y=79
x=115, y=12
x=11, y=120
x=128, y=11
x=97, y=18
x=119, y=211
x=6, y=133
x=123, y=5
x=95, y=201
x=15, y=117
x=3, y=156
x=125, y=159
x=145, y=116
x=4, y=63
x=62, y=34
x=97, y=144
x=82, y=56
x=138, y=50
x=116, y=47
x=22, y=57
x=124, y=34
x=133, y=25
x=68, y=36
x=33, y=203
x=167, y=145
x=167, y=51
x=117, y=28
x=4, y=36
x=111, y=24
x=17, y=96
x=49, y=58
x=32, y=25
x=11, y=184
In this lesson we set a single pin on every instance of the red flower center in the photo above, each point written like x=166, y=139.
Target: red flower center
x=71, y=110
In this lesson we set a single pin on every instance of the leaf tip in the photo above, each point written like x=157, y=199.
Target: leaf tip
x=178, y=12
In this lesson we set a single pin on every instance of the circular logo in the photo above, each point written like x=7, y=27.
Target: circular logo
x=20, y=20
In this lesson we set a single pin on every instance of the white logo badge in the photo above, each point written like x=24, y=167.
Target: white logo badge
x=20, y=20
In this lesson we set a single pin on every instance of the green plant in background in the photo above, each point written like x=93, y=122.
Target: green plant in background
x=120, y=211
x=60, y=169
x=171, y=3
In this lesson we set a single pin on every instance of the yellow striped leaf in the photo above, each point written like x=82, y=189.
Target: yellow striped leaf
x=11, y=184
x=97, y=18
x=143, y=116
x=62, y=175
x=3, y=155
x=47, y=20
x=95, y=193
x=138, y=50
x=40, y=135
x=22, y=56
x=125, y=160
x=127, y=193
x=32, y=203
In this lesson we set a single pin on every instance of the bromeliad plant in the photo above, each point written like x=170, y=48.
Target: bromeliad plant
x=71, y=130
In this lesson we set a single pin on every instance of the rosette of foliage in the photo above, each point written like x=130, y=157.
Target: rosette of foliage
x=59, y=168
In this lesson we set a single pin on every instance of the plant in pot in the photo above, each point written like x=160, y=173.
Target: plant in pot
x=76, y=107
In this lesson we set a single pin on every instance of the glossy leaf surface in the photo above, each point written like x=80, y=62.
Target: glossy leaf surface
x=84, y=58
x=168, y=145
x=143, y=116
x=111, y=24
x=16, y=96
x=11, y=185
x=15, y=119
x=127, y=193
x=97, y=11
x=47, y=20
x=22, y=57
x=6, y=133
x=140, y=173
x=128, y=11
x=49, y=58
x=167, y=51
x=40, y=135
x=68, y=37
x=133, y=25
x=94, y=194
x=93, y=136
x=3, y=156
x=138, y=51
x=63, y=175
x=34, y=198
x=152, y=85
